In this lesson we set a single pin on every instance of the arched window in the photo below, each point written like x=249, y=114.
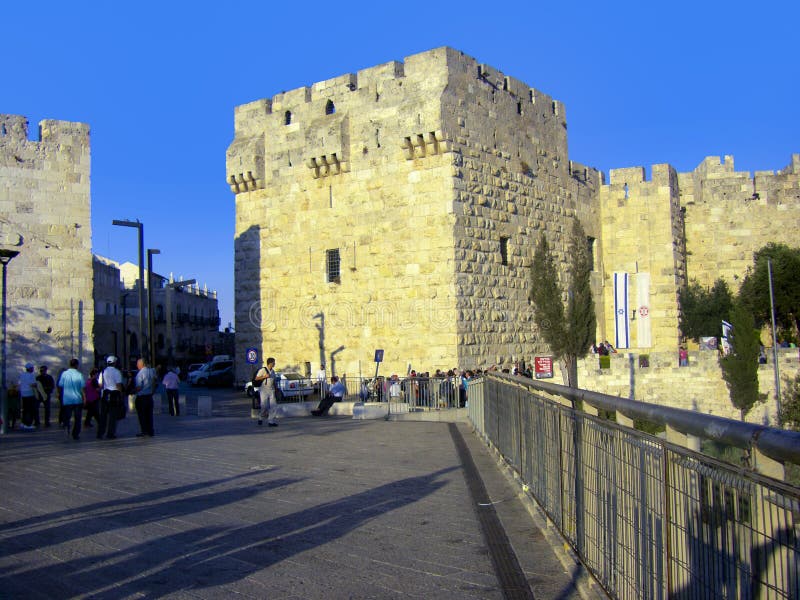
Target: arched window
x=287, y=117
x=330, y=108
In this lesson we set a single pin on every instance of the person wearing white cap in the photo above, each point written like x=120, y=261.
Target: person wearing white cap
x=27, y=392
x=111, y=399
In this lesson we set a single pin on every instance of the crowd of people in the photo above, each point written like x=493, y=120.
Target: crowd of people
x=98, y=401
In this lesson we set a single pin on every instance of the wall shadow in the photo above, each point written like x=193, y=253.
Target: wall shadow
x=247, y=295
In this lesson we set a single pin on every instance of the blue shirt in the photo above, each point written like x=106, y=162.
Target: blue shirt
x=72, y=382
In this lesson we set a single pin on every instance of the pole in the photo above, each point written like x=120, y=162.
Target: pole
x=124, y=331
x=4, y=388
x=774, y=342
x=141, y=290
x=150, y=313
x=5, y=258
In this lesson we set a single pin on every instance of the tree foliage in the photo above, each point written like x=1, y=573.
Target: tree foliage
x=740, y=366
x=570, y=334
x=790, y=405
x=754, y=292
x=703, y=310
x=581, y=325
x=546, y=297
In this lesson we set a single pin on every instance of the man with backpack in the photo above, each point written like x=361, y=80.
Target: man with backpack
x=265, y=380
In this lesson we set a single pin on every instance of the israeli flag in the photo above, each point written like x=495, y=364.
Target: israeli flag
x=622, y=333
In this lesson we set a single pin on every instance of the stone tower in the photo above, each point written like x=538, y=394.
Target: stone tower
x=45, y=215
x=398, y=208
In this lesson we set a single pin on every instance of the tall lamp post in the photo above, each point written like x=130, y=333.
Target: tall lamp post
x=150, y=340
x=140, y=226
x=5, y=258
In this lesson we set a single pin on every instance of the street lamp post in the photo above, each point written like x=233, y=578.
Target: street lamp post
x=140, y=226
x=5, y=258
x=150, y=340
x=168, y=298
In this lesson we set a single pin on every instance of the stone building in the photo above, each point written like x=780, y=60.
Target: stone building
x=45, y=215
x=185, y=318
x=399, y=207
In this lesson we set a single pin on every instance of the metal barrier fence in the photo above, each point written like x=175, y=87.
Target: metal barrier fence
x=650, y=519
x=406, y=394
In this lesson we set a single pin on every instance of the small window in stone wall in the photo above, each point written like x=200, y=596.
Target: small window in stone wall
x=590, y=248
x=330, y=107
x=287, y=117
x=504, y=250
x=333, y=266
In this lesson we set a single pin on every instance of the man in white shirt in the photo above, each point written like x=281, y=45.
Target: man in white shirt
x=146, y=383
x=269, y=405
x=110, y=400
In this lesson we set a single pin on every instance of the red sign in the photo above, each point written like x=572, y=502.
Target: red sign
x=543, y=367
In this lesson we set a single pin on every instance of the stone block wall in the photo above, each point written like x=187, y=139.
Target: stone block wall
x=433, y=179
x=697, y=387
x=730, y=215
x=642, y=229
x=356, y=165
x=45, y=214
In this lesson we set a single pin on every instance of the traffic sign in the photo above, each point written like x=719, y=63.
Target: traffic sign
x=251, y=356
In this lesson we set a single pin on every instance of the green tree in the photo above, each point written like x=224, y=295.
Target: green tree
x=754, y=292
x=790, y=406
x=702, y=310
x=570, y=334
x=740, y=366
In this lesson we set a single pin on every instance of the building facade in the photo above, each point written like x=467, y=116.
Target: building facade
x=185, y=317
x=45, y=210
x=399, y=208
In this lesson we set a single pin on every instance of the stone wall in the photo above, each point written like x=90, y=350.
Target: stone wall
x=697, y=387
x=45, y=214
x=433, y=179
x=367, y=177
x=730, y=215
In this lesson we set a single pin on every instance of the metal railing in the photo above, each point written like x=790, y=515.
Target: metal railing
x=649, y=518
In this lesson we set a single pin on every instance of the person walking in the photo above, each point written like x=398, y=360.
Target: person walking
x=71, y=384
x=269, y=406
x=92, y=393
x=171, y=383
x=48, y=385
x=144, y=385
x=111, y=400
x=28, y=397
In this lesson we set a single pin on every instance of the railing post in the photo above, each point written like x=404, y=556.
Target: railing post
x=767, y=466
x=623, y=420
x=682, y=439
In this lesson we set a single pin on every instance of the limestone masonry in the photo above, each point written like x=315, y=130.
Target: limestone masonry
x=399, y=207
x=45, y=215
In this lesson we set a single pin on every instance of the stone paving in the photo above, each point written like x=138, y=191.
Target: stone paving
x=219, y=507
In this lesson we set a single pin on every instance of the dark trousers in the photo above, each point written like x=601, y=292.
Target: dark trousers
x=46, y=403
x=69, y=410
x=144, y=409
x=109, y=410
x=30, y=406
x=172, y=400
x=92, y=411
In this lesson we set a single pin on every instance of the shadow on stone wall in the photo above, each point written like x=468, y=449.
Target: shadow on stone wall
x=247, y=294
x=30, y=339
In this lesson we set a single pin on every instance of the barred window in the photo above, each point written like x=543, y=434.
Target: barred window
x=332, y=265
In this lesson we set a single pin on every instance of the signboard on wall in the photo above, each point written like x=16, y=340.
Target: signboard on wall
x=543, y=367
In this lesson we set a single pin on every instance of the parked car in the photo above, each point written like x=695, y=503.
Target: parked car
x=212, y=372
x=289, y=385
x=192, y=368
x=220, y=377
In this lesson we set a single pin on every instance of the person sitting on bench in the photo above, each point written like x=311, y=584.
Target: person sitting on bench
x=335, y=394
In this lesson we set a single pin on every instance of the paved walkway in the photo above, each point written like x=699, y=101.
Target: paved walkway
x=218, y=507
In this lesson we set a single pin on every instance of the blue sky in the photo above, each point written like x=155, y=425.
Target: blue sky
x=642, y=82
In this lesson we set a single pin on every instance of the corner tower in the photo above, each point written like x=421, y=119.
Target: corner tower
x=398, y=208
